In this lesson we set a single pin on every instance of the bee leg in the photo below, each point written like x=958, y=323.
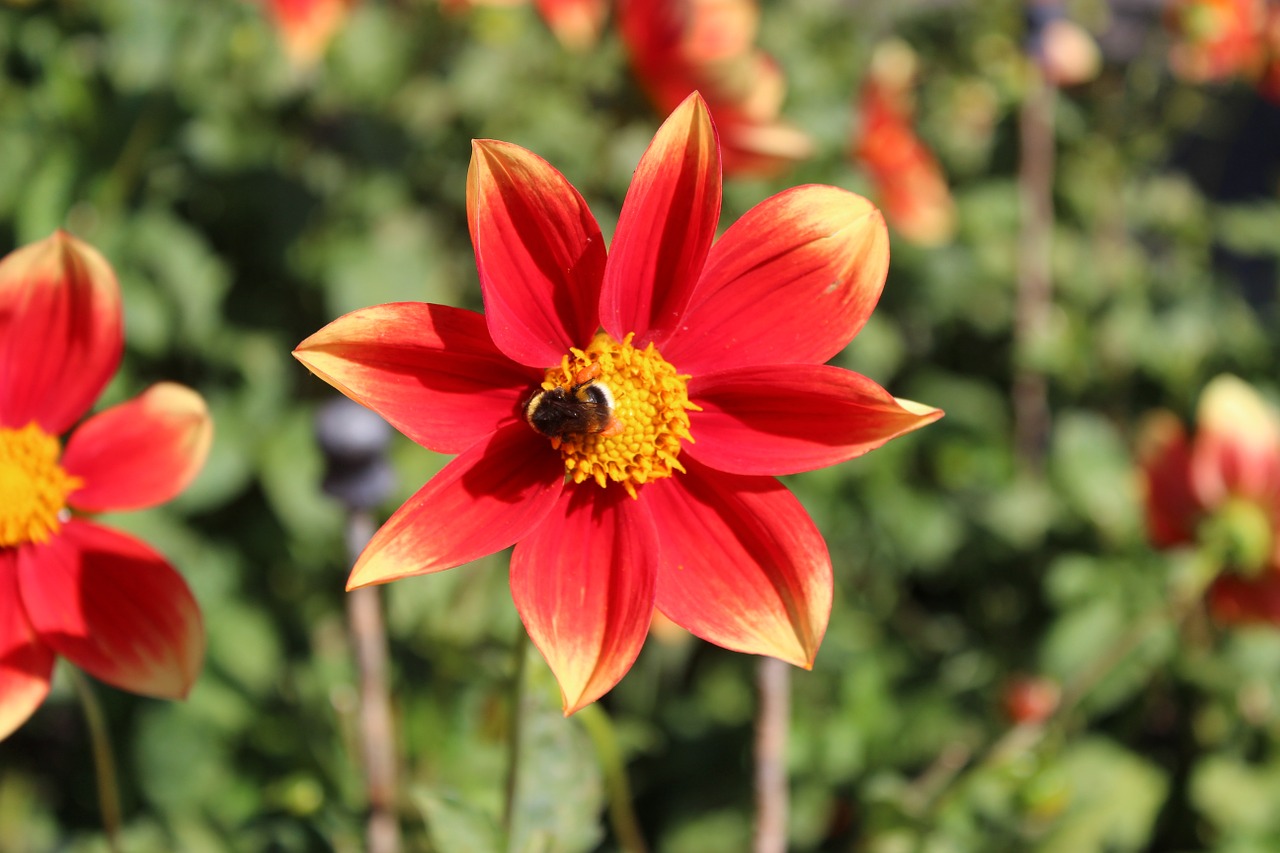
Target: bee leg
x=614, y=428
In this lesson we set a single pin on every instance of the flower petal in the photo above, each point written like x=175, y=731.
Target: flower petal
x=61, y=332
x=791, y=282
x=140, y=453
x=1237, y=600
x=583, y=582
x=1237, y=445
x=115, y=608
x=666, y=227
x=1164, y=456
x=539, y=252
x=26, y=664
x=487, y=499
x=783, y=419
x=430, y=370
x=743, y=565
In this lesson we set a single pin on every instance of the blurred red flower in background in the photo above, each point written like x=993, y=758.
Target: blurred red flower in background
x=1221, y=491
x=307, y=26
x=577, y=24
x=102, y=599
x=908, y=181
x=680, y=46
x=666, y=339
x=1216, y=40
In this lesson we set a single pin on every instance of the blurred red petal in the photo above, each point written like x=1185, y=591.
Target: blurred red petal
x=115, y=608
x=1237, y=446
x=26, y=664
x=430, y=370
x=1237, y=600
x=539, y=252
x=487, y=499
x=1164, y=457
x=140, y=453
x=784, y=419
x=576, y=23
x=583, y=582
x=818, y=254
x=666, y=227
x=743, y=565
x=307, y=26
x=61, y=332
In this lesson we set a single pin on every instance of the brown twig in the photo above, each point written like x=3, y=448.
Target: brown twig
x=1034, y=299
x=772, y=723
x=369, y=642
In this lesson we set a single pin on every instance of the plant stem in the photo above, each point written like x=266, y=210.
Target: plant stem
x=621, y=814
x=772, y=723
x=369, y=641
x=514, y=736
x=104, y=762
x=1035, y=283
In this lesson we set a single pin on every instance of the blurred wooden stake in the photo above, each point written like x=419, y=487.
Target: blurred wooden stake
x=369, y=642
x=772, y=723
x=1031, y=421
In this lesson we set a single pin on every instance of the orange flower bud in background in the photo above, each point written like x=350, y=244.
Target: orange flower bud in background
x=909, y=183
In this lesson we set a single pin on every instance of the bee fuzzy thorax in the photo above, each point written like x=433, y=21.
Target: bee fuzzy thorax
x=616, y=413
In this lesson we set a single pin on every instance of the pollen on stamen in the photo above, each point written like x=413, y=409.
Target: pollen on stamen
x=34, y=485
x=651, y=413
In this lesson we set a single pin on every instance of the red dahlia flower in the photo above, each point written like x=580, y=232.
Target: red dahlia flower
x=102, y=599
x=1221, y=491
x=669, y=381
x=307, y=26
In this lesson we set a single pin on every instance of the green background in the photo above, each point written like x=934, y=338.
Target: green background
x=245, y=203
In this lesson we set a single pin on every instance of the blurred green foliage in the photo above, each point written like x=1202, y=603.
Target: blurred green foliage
x=244, y=203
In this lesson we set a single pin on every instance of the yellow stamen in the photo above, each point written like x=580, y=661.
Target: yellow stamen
x=33, y=487
x=651, y=415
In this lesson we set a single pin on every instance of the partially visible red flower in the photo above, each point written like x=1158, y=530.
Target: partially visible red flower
x=307, y=26
x=68, y=586
x=680, y=46
x=697, y=372
x=1220, y=490
x=909, y=182
x=577, y=24
x=1217, y=40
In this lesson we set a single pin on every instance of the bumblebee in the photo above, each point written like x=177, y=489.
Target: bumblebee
x=583, y=408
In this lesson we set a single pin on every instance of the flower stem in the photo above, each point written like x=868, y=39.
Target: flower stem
x=104, y=762
x=369, y=641
x=514, y=735
x=621, y=814
x=772, y=724
x=1034, y=300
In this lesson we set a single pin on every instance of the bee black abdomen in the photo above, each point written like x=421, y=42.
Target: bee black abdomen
x=563, y=412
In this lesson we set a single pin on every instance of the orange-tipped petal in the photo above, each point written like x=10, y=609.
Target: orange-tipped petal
x=61, y=332
x=26, y=664
x=430, y=370
x=822, y=252
x=487, y=499
x=783, y=419
x=743, y=565
x=539, y=252
x=666, y=227
x=1237, y=446
x=140, y=453
x=115, y=608
x=583, y=583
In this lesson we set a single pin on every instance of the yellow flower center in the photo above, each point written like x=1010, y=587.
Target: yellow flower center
x=650, y=417
x=33, y=487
